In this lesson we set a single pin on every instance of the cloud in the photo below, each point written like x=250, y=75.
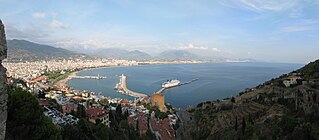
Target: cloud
x=216, y=50
x=262, y=5
x=301, y=25
x=39, y=15
x=269, y=5
x=193, y=47
x=58, y=24
x=30, y=32
x=89, y=44
x=294, y=29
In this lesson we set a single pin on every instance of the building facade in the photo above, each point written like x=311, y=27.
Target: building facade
x=158, y=101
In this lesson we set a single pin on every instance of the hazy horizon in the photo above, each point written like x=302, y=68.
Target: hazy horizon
x=275, y=31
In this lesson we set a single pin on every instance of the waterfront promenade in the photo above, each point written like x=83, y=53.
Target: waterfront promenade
x=88, y=77
x=123, y=88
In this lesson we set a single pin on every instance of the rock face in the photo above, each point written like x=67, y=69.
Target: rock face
x=3, y=79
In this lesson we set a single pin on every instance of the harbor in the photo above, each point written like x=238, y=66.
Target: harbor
x=121, y=87
x=142, y=79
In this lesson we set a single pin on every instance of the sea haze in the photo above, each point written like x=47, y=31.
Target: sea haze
x=216, y=80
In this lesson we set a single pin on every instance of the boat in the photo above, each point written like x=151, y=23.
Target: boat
x=171, y=83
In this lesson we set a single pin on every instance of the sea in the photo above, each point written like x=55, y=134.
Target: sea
x=215, y=80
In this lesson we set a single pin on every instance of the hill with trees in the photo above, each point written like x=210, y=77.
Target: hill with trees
x=268, y=111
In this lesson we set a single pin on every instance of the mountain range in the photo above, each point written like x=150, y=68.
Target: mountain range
x=121, y=54
x=178, y=55
x=21, y=50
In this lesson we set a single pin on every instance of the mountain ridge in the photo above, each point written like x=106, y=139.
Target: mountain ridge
x=177, y=55
x=27, y=50
x=118, y=53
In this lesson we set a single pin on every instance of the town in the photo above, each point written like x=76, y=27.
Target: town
x=65, y=106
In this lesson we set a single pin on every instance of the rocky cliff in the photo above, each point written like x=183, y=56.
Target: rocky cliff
x=3, y=77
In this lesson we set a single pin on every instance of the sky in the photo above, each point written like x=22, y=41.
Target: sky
x=265, y=30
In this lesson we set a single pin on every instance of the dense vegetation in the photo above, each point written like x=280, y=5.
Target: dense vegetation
x=119, y=130
x=26, y=119
x=56, y=76
x=310, y=71
x=158, y=113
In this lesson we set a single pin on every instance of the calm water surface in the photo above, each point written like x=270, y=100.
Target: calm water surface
x=216, y=80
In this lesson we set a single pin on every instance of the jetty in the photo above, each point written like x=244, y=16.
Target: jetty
x=185, y=83
x=161, y=90
x=122, y=87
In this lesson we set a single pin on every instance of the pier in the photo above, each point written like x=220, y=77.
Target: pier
x=185, y=83
x=161, y=90
x=121, y=87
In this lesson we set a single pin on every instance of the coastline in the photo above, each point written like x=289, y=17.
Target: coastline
x=64, y=82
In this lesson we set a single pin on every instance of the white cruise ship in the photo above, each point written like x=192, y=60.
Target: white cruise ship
x=170, y=83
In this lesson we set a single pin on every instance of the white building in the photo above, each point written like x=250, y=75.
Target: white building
x=291, y=80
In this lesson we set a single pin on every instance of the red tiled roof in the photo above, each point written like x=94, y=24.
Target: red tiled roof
x=124, y=101
x=39, y=78
x=95, y=112
x=164, y=128
x=142, y=124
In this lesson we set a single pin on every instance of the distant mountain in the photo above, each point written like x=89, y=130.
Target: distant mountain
x=26, y=50
x=177, y=55
x=122, y=54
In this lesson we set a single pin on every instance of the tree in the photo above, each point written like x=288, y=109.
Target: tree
x=233, y=99
x=81, y=111
x=243, y=125
x=103, y=132
x=26, y=119
x=236, y=124
x=250, y=119
x=119, y=109
x=126, y=114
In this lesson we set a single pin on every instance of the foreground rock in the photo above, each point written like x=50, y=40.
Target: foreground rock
x=3, y=77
